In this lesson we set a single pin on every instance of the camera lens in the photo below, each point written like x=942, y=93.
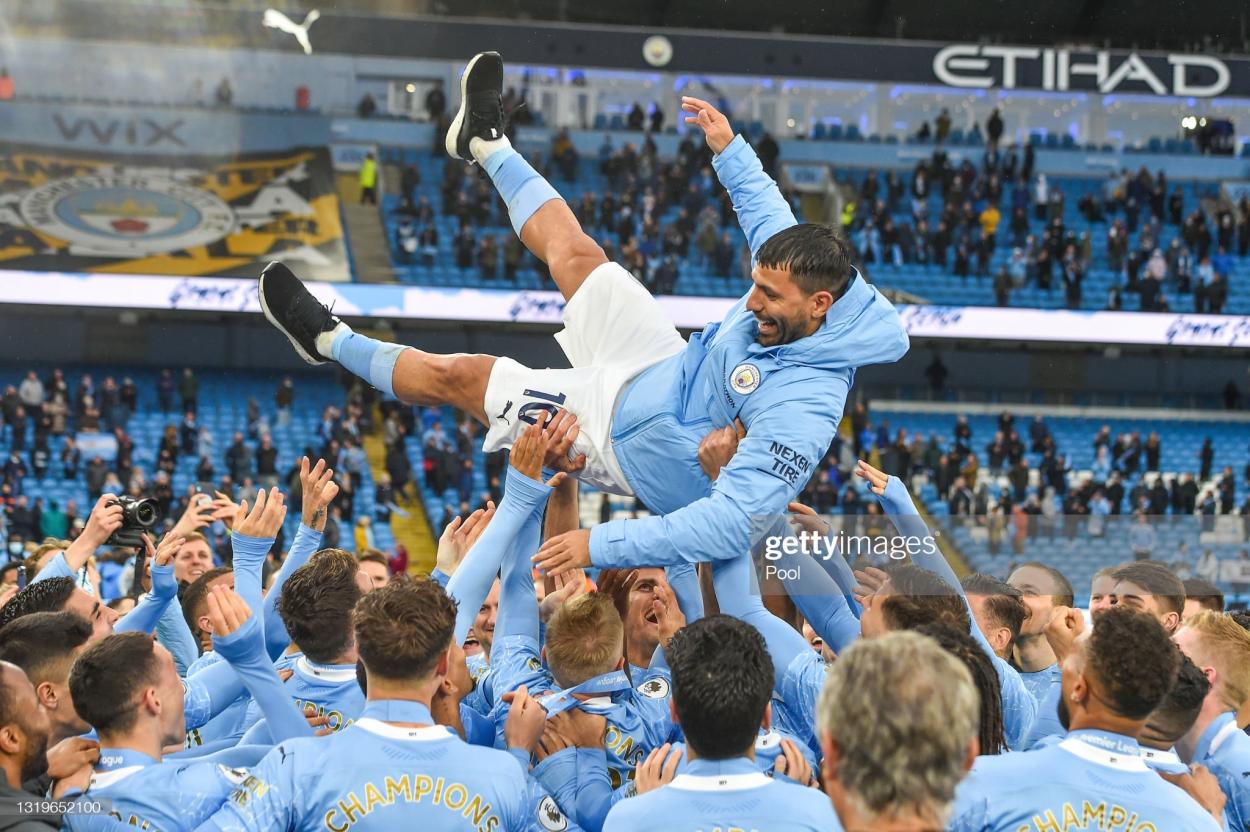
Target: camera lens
x=145, y=513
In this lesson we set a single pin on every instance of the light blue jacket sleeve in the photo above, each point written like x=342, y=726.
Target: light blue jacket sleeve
x=58, y=567
x=208, y=692
x=1019, y=706
x=762, y=210
x=684, y=580
x=761, y=479
x=144, y=617
x=578, y=781
x=249, y=560
x=244, y=649
x=173, y=632
x=518, y=604
x=737, y=592
x=471, y=583
x=303, y=545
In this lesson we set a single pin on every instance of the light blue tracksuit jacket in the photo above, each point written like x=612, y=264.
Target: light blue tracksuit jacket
x=790, y=397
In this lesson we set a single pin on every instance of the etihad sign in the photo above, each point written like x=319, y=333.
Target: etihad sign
x=974, y=65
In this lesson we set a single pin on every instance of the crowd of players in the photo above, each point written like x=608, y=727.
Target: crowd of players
x=321, y=694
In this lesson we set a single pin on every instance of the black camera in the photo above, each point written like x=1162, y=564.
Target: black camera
x=138, y=516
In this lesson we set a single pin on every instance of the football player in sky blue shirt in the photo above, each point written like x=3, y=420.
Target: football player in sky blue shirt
x=316, y=609
x=1113, y=678
x=394, y=768
x=722, y=679
x=127, y=687
x=1221, y=648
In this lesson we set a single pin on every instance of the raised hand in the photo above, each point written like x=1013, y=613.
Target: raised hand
x=877, y=480
x=658, y=769
x=526, y=719
x=105, y=518
x=266, y=515
x=530, y=448
x=711, y=121
x=870, y=580
x=719, y=447
x=319, y=490
x=1064, y=628
x=616, y=584
x=227, y=611
x=668, y=613
x=805, y=519
x=569, y=585
x=794, y=765
x=563, y=430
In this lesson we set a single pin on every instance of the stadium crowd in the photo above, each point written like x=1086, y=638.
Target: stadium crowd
x=991, y=206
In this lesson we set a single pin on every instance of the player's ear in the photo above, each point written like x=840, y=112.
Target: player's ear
x=1172, y=622
x=205, y=623
x=620, y=664
x=766, y=723
x=820, y=303
x=829, y=759
x=542, y=654
x=444, y=663
x=672, y=711
x=45, y=692
x=974, y=751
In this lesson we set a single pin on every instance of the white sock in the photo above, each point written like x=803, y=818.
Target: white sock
x=483, y=149
x=325, y=341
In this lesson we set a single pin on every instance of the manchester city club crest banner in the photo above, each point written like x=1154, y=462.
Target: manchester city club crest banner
x=62, y=211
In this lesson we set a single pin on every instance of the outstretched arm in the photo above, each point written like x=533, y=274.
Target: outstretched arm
x=318, y=490
x=518, y=605
x=770, y=466
x=762, y=210
x=1019, y=706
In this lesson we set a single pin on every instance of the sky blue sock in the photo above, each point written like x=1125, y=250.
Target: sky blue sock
x=372, y=360
x=520, y=185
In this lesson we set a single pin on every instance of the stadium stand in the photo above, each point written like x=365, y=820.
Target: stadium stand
x=898, y=254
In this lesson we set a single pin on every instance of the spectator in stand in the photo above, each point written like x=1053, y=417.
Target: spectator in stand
x=267, y=462
x=943, y=125
x=636, y=119
x=488, y=257
x=189, y=390
x=435, y=102
x=367, y=106
x=225, y=93
x=368, y=179
x=284, y=398
x=238, y=459
x=994, y=128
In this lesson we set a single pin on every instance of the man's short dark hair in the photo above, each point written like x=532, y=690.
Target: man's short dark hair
x=1157, y=580
x=402, y=629
x=1175, y=715
x=722, y=681
x=316, y=604
x=1003, y=602
x=107, y=676
x=968, y=650
x=921, y=597
x=50, y=595
x=1131, y=688
x=43, y=644
x=196, y=596
x=11, y=566
x=817, y=257
x=1061, y=592
x=1207, y=594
